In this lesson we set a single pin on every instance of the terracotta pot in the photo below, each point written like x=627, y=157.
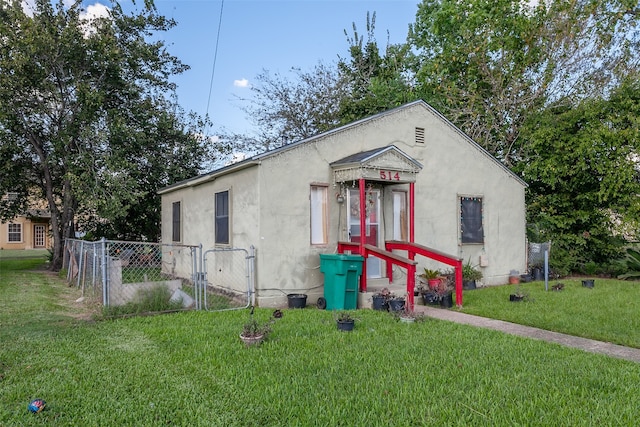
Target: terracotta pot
x=514, y=280
x=434, y=283
x=250, y=341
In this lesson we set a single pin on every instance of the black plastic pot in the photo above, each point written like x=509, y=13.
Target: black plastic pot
x=396, y=305
x=297, y=300
x=588, y=283
x=446, y=301
x=515, y=298
x=345, y=325
x=468, y=284
x=537, y=273
x=431, y=298
x=379, y=303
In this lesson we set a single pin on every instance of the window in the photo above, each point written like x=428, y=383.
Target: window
x=15, y=233
x=176, y=222
x=400, y=216
x=222, y=217
x=471, y=230
x=319, y=215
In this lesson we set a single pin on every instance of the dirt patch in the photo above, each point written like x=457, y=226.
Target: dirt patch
x=71, y=302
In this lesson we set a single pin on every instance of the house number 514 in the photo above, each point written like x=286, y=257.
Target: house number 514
x=389, y=176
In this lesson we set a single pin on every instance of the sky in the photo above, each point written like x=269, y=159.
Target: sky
x=273, y=35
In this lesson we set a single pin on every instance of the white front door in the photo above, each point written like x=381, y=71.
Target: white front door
x=372, y=225
x=38, y=236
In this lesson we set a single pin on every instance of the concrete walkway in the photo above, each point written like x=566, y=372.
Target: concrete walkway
x=593, y=346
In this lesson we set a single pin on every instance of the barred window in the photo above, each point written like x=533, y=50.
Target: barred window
x=471, y=229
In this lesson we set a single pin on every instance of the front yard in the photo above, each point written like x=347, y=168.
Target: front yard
x=191, y=369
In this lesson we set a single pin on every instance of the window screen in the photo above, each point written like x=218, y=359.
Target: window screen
x=471, y=229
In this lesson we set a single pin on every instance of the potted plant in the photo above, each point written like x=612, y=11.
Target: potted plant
x=396, y=303
x=514, y=277
x=409, y=316
x=380, y=299
x=470, y=275
x=432, y=277
x=345, y=322
x=519, y=295
x=254, y=332
x=444, y=294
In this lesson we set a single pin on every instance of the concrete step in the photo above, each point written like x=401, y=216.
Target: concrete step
x=376, y=285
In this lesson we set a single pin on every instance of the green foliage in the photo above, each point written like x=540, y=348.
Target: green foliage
x=633, y=264
x=488, y=64
x=156, y=299
x=87, y=120
x=377, y=81
x=430, y=274
x=469, y=272
x=576, y=196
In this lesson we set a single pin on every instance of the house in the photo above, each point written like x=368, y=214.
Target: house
x=407, y=174
x=29, y=230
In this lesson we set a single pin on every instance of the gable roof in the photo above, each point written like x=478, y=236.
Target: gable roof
x=255, y=160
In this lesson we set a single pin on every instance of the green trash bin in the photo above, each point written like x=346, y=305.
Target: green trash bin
x=341, y=274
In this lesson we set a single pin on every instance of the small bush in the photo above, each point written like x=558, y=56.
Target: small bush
x=148, y=301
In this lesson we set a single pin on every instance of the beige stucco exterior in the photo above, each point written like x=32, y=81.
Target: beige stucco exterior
x=29, y=228
x=270, y=201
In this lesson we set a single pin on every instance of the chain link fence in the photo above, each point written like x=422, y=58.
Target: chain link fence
x=137, y=277
x=536, y=260
x=228, y=275
x=132, y=277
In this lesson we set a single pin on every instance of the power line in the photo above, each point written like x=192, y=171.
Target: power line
x=215, y=57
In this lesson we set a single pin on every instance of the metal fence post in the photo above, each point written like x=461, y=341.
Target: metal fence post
x=80, y=263
x=103, y=247
x=252, y=286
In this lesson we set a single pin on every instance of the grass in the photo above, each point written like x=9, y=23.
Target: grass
x=23, y=253
x=608, y=312
x=191, y=369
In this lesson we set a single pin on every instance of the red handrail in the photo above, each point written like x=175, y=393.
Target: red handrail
x=390, y=258
x=416, y=249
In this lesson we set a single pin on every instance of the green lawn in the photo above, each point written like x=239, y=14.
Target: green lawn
x=607, y=312
x=23, y=253
x=190, y=369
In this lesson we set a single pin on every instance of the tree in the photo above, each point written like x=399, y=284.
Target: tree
x=488, y=64
x=287, y=110
x=583, y=169
x=84, y=116
x=376, y=82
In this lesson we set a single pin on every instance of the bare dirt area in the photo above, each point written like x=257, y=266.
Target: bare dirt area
x=71, y=301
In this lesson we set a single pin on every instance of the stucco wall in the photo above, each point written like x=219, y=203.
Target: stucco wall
x=27, y=241
x=452, y=167
x=270, y=206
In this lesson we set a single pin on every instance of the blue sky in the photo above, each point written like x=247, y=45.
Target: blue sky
x=270, y=34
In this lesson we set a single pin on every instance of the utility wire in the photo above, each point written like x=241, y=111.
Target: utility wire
x=215, y=57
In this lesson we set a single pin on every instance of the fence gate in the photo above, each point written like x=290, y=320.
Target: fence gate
x=226, y=279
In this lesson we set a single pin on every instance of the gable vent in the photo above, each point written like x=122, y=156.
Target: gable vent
x=419, y=135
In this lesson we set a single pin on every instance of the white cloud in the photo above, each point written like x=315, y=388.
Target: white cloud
x=97, y=10
x=28, y=6
x=241, y=83
x=91, y=13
